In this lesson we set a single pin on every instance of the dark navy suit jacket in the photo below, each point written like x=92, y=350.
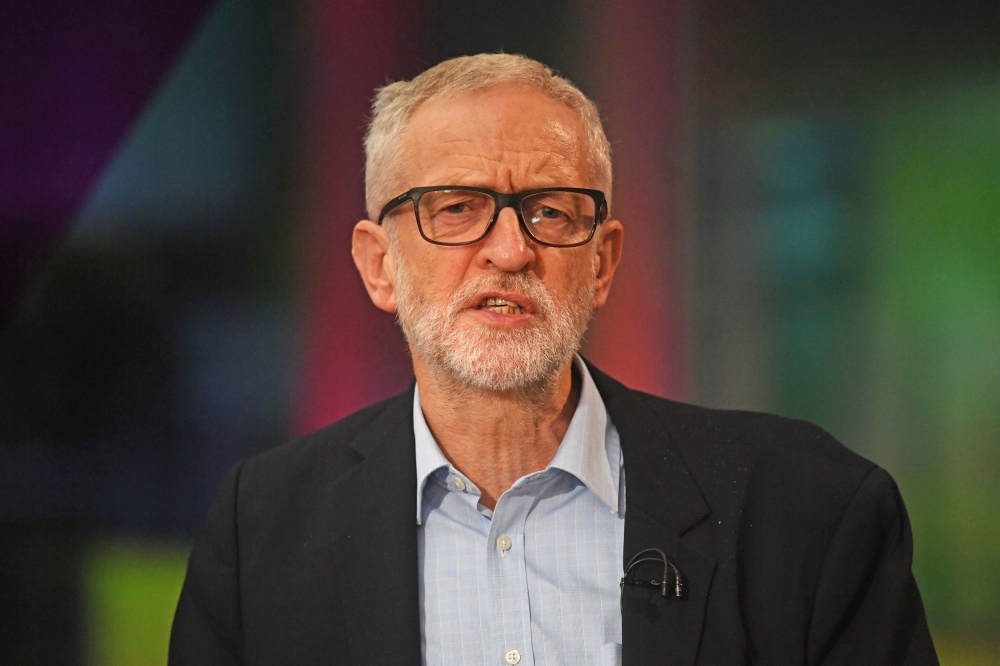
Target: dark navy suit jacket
x=795, y=550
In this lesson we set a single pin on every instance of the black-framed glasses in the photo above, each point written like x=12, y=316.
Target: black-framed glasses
x=457, y=215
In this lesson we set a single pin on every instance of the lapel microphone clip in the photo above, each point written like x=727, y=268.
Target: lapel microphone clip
x=671, y=584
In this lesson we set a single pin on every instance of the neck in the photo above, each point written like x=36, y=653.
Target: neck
x=496, y=438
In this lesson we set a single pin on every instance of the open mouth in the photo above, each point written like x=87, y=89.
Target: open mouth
x=501, y=306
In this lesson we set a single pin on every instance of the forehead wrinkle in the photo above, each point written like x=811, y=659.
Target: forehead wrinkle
x=507, y=172
x=516, y=169
x=493, y=149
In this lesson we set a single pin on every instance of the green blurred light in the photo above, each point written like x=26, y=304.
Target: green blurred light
x=936, y=313
x=131, y=590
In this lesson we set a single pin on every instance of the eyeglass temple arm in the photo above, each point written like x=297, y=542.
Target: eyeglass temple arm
x=392, y=203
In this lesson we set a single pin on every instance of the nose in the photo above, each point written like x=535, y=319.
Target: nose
x=507, y=248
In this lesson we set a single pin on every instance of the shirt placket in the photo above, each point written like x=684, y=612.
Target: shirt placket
x=508, y=576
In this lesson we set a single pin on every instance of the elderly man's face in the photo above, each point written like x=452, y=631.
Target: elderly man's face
x=506, y=138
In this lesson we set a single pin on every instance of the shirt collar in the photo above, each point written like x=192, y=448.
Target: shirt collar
x=585, y=451
x=429, y=456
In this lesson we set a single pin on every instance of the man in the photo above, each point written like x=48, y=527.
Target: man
x=517, y=506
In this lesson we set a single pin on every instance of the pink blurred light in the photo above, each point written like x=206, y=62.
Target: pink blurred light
x=640, y=71
x=352, y=354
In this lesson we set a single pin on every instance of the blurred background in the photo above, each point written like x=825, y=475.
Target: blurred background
x=811, y=193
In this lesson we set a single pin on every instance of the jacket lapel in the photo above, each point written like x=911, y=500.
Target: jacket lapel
x=374, y=537
x=375, y=542
x=662, y=502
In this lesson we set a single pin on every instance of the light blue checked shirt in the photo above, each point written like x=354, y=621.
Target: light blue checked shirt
x=536, y=580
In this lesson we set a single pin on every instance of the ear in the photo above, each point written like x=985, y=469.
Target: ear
x=377, y=266
x=609, y=252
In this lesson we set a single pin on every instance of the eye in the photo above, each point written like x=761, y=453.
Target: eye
x=546, y=213
x=453, y=204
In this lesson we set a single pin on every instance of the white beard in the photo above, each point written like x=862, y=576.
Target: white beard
x=492, y=359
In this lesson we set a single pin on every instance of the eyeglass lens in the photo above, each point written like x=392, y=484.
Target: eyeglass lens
x=461, y=216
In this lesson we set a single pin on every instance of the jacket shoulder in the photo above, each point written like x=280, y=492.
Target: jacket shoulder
x=321, y=456
x=733, y=454
x=764, y=460
x=754, y=432
x=704, y=432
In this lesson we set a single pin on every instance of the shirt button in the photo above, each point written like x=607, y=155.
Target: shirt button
x=458, y=483
x=504, y=544
x=512, y=657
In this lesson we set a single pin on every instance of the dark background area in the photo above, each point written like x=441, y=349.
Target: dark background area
x=829, y=248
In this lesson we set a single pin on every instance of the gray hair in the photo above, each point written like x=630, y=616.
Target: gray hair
x=394, y=103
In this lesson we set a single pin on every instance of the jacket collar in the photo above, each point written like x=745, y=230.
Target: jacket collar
x=375, y=533
x=375, y=541
x=657, y=480
x=662, y=503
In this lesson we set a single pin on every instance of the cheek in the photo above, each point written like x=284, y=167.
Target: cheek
x=439, y=271
x=568, y=278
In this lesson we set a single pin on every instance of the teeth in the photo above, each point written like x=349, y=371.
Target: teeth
x=501, y=306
